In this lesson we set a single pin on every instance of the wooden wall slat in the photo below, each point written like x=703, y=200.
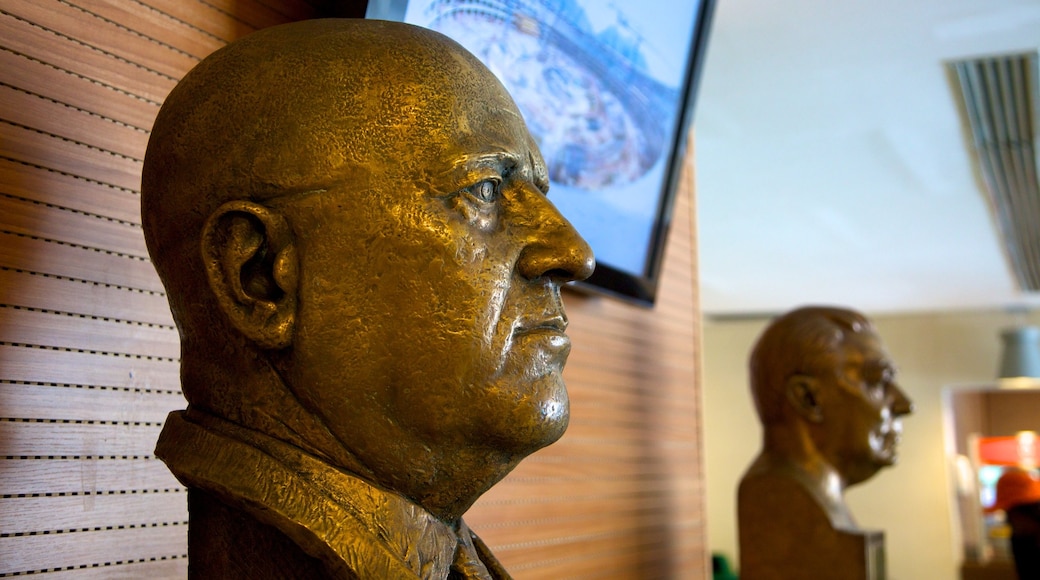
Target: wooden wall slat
x=21, y=515
x=626, y=428
x=621, y=418
x=630, y=395
x=614, y=331
x=153, y=24
x=561, y=531
x=292, y=10
x=618, y=370
x=29, y=146
x=628, y=375
x=92, y=33
x=616, y=406
x=626, y=449
x=29, y=110
x=256, y=14
x=620, y=378
x=612, y=426
x=644, y=469
x=553, y=489
x=200, y=16
x=599, y=553
x=64, y=86
x=84, y=476
x=29, y=218
x=621, y=374
x=619, y=449
x=599, y=557
x=48, y=257
x=621, y=421
x=20, y=401
x=45, y=46
x=553, y=528
x=591, y=467
x=176, y=568
x=49, y=329
x=666, y=350
x=22, y=554
x=34, y=439
x=64, y=367
x=618, y=325
x=48, y=293
x=68, y=192
x=516, y=514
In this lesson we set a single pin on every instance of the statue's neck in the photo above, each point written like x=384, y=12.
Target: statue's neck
x=791, y=451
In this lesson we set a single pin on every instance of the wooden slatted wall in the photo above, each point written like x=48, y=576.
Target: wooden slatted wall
x=88, y=352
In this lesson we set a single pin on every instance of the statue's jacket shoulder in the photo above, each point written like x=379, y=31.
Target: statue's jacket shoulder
x=353, y=528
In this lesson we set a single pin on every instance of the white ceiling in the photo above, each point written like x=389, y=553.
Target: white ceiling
x=831, y=162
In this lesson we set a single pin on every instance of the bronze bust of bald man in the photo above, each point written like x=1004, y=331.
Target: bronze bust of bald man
x=825, y=391
x=351, y=222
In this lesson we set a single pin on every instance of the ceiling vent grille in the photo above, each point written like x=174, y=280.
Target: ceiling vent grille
x=1000, y=102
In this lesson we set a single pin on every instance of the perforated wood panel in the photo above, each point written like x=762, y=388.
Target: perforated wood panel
x=88, y=353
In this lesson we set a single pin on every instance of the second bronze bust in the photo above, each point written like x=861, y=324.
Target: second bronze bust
x=826, y=393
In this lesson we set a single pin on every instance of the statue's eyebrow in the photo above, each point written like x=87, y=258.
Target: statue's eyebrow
x=502, y=160
x=508, y=163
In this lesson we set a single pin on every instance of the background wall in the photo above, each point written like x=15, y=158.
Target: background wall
x=89, y=354
x=910, y=502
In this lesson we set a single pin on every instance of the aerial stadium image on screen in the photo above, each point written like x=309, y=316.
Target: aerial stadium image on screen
x=599, y=90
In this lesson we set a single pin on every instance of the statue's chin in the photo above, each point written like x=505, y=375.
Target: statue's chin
x=530, y=427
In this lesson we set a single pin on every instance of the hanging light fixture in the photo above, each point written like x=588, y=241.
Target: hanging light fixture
x=1021, y=357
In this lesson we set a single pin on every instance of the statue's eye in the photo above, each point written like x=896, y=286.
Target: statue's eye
x=485, y=191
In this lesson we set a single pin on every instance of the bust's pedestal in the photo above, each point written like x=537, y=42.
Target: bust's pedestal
x=820, y=553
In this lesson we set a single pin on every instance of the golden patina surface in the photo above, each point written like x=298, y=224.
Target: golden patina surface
x=351, y=222
x=825, y=391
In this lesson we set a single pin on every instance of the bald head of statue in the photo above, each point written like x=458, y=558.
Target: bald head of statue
x=820, y=375
x=351, y=222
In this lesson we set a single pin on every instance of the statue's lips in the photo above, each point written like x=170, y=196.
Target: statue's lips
x=893, y=438
x=547, y=327
x=890, y=436
x=548, y=337
x=891, y=441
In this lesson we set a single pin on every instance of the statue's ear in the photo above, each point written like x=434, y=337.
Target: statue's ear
x=252, y=268
x=803, y=392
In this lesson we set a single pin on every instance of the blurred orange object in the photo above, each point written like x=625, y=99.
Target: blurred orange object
x=1015, y=487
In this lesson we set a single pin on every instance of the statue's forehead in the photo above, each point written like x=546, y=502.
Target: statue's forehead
x=864, y=352
x=361, y=45
x=311, y=103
